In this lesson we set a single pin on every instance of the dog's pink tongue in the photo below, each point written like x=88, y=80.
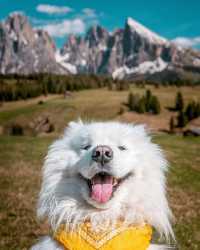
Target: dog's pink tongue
x=102, y=188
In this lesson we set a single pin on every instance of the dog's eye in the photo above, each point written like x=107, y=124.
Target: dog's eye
x=86, y=147
x=122, y=148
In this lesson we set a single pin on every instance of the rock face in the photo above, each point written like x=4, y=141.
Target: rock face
x=133, y=52
x=24, y=50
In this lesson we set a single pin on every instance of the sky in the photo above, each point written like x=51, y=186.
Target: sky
x=177, y=20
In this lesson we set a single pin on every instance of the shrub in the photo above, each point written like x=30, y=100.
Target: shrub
x=147, y=103
x=16, y=129
x=133, y=101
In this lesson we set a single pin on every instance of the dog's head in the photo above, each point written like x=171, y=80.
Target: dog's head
x=104, y=171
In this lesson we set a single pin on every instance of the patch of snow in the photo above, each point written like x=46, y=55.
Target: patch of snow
x=142, y=30
x=72, y=68
x=3, y=70
x=120, y=72
x=36, y=61
x=196, y=62
x=24, y=40
x=36, y=36
x=13, y=35
x=61, y=60
x=102, y=47
x=149, y=67
x=83, y=62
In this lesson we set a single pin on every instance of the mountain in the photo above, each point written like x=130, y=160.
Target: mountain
x=133, y=52
x=24, y=50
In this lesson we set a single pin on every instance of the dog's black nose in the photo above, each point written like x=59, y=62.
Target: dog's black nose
x=102, y=154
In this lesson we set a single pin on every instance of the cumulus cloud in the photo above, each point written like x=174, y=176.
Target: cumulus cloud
x=73, y=26
x=187, y=42
x=53, y=9
x=77, y=23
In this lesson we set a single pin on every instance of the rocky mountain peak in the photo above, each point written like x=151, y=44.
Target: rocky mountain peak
x=17, y=22
x=24, y=50
x=141, y=30
x=96, y=33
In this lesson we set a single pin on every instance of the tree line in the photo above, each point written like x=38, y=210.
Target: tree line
x=12, y=89
x=15, y=87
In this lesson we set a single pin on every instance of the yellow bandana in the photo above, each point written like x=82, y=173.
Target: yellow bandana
x=119, y=238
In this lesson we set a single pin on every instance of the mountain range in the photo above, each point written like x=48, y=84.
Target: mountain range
x=133, y=52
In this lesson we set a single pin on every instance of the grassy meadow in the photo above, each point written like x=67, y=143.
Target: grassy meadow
x=21, y=159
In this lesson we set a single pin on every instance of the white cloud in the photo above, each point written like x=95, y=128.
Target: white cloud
x=74, y=26
x=17, y=12
x=187, y=42
x=89, y=12
x=53, y=9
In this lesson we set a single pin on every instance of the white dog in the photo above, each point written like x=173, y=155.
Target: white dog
x=104, y=172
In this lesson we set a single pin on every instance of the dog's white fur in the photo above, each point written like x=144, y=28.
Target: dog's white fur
x=64, y=196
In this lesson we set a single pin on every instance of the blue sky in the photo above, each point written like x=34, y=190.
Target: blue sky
x=173, y=19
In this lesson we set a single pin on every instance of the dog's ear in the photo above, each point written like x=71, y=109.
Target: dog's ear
x=75, y=124
x=142, y=131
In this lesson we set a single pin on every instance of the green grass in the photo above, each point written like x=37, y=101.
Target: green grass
x=184, y=160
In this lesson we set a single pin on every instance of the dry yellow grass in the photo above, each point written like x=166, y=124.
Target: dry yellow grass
x=98, y=104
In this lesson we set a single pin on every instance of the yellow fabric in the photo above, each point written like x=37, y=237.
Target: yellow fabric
x=119, y=238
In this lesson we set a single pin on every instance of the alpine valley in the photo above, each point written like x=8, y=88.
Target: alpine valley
x=133, y=52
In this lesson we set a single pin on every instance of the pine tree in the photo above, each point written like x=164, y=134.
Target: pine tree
x=130, y=101
x=181, y=119
x=171, y=124
x=148, y=99
x=179, y=104
x=197, y=110
x=190, y=111
x=133, y=101
x=141, y=108
x=155, y=105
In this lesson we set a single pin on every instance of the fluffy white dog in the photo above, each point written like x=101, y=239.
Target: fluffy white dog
x=104, y=172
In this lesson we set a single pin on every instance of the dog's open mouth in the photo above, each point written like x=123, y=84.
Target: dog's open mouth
x=103, y=185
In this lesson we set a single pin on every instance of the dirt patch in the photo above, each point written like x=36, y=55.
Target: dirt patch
x=154, y=122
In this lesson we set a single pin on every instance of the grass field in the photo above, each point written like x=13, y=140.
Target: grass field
x=21, y=160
